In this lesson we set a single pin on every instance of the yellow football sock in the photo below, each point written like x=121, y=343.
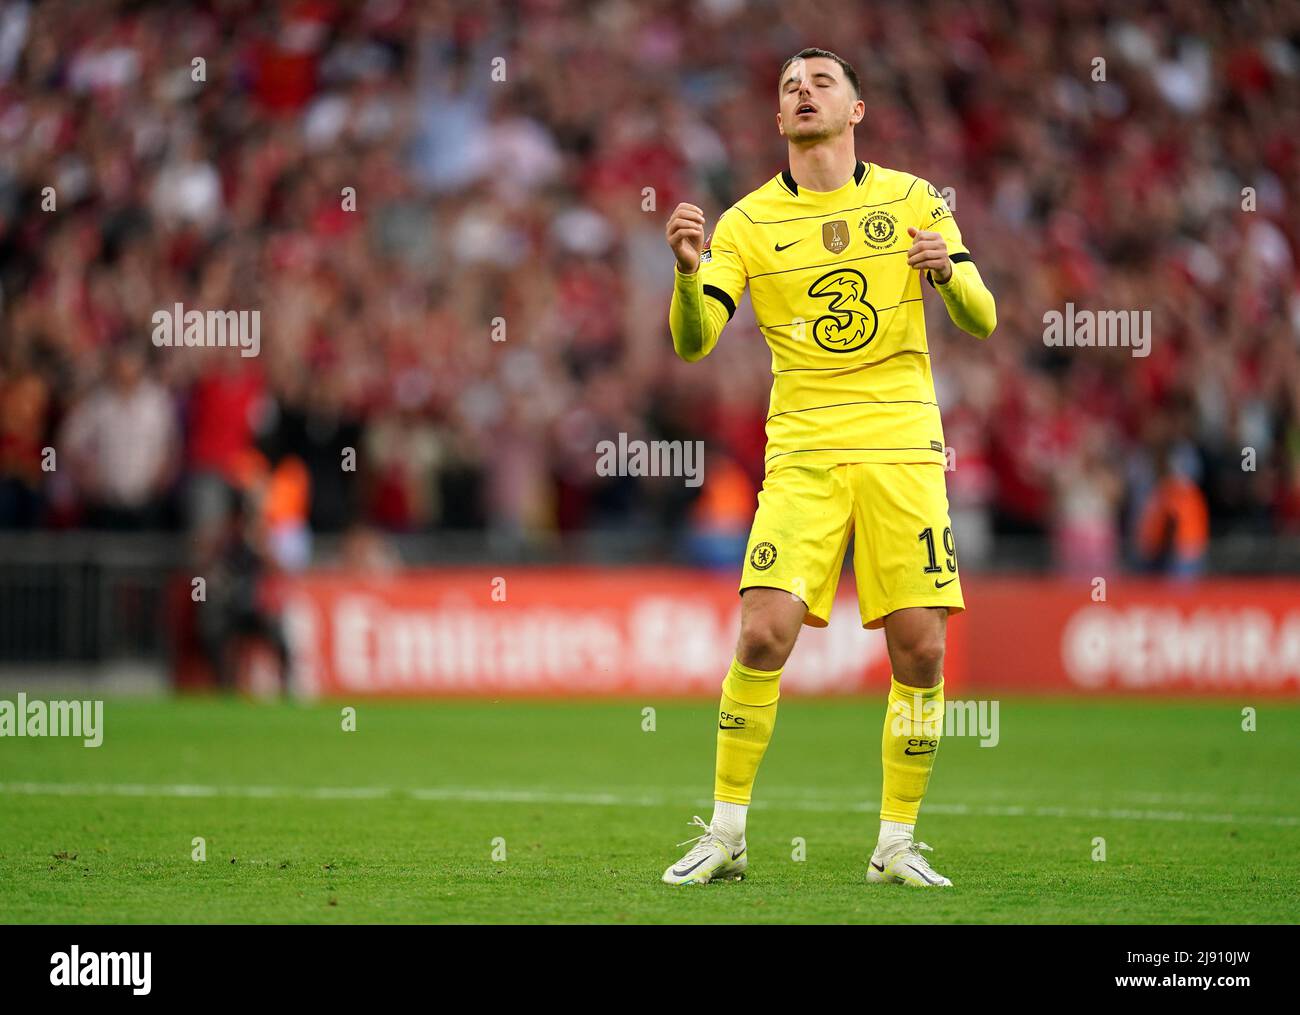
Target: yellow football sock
x=913, y=726
x=746, y=717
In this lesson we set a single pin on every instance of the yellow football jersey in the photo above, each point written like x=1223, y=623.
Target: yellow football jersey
x=841, y=311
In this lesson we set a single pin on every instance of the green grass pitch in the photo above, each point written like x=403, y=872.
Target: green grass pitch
x=396, y=822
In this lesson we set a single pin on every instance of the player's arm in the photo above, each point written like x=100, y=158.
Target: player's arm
x=707, y=282
x=939, y=251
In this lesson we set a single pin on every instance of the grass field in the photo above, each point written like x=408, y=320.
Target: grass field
x=396, y=822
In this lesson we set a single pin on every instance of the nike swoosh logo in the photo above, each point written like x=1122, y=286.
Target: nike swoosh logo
x=786, y=246
x=880, y=867
x=721, y=727
x=908, y=750
x=682, y=874
x=938, y=584
x=921, y=875
x=737, y=856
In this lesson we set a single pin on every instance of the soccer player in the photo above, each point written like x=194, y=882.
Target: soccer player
x=833, y=250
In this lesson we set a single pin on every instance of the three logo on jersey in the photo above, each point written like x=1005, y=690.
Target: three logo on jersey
x=850, y=321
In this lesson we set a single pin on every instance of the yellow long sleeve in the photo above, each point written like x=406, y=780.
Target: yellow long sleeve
x=695, y=322
x=969, y=302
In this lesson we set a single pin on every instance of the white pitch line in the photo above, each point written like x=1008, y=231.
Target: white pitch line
x=132, y=789
x=467, y=794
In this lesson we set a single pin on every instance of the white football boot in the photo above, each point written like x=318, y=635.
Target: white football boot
x=710, y=859
x=906, y=866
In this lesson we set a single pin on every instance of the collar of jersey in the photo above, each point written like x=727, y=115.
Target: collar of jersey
x=859, y=174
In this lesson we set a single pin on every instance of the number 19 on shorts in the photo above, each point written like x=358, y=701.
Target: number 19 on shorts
x=926, y=536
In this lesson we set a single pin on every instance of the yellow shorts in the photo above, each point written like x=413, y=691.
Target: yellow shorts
x=903, y=549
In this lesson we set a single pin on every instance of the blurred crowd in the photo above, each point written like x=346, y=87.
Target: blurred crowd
x=450, y=216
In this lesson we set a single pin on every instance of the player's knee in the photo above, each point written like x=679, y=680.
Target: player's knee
x=764, y=644
x=919, y=654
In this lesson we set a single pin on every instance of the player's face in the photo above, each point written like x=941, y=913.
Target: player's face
x=817, y=101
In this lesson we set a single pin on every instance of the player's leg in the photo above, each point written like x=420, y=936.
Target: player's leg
x=910, y=741
x=793, y=561
x=906, y=567
x=769, y=624
x=770, y=620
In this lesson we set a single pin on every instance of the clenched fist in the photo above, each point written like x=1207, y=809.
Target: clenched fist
x=929, y=253
x=685, y=232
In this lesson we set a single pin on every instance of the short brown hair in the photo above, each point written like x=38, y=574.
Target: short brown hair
x=804, y=54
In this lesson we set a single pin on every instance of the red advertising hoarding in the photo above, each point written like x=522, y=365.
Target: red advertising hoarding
x=548, y=631
x=588, y=631
x=1209, y=637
